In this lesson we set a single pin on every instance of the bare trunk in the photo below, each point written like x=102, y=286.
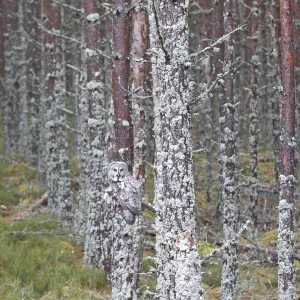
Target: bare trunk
x=123, y=127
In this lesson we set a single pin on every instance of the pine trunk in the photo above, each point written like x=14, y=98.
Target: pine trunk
x=32, y=14
x=58, y=178
x=96, y=123
x=286, y=228
x=177, y=259
x=229, y=162
x=253, y=126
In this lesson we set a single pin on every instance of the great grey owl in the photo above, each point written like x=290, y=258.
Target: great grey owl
x=126, y=190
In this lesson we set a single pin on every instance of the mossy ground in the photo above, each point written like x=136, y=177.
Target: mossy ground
x=39, y=261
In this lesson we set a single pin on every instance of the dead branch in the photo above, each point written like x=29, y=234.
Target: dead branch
x=149, y=206
x=38, y=203
x=270, y=251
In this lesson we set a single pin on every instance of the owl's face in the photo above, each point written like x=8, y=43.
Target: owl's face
x=117, y=171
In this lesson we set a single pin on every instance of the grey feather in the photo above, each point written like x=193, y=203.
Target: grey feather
x=126, y=190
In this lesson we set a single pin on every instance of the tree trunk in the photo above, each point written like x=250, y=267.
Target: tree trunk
x=286, y=271
x=96, y=123
x=253, y=126
x=177, y=259
x=219, y=8
x=33, y=55
x=11, y=109
x=125, y=238
x=273, y=83
x=2, y=66
x=54, y=116
x=229, y=161
x=141, y=93
x=123, y=127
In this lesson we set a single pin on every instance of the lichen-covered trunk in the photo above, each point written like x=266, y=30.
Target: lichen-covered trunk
x=140, y=34
x=12, y=105
x=125, y=267
x=205, y=29
x=96, y=157
x=58, y=179
x=229, y=161
x=177, y=259
x=2, y=62
x=286, y=271
x=21, y=78
x=73, y=30
x=33, y=55
x=273, y=83
x=141, y=93
x=264, y=105
x=219, y=8
x=81, y=208
x=253, y=126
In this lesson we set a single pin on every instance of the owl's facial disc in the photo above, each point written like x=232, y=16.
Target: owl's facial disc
x=117, y=171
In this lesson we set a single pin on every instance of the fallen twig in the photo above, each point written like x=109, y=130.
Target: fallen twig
x=39, y=202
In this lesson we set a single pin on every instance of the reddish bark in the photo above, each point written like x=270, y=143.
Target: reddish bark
x=120, y=84
x=288, y=94
x=287, y=189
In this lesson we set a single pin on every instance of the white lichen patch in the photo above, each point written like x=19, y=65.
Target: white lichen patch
x=93, y=17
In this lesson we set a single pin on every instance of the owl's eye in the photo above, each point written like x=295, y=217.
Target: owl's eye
x=115, y=169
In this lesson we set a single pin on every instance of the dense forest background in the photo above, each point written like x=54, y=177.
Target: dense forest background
x=199, y=99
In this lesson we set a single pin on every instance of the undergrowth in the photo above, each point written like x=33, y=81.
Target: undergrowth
x=37, y=263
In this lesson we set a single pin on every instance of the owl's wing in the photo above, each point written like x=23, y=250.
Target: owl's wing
x=132, y=195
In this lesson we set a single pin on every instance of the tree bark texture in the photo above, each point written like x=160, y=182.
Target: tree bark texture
x=219, y=17
x=97, y=156
x=253, y=126
x=273, y=83
x=286, y=272
x=33, y=57
x=2, y=64
x=11, y=120
x=140, y=99
x=176, y=256
x=126, y=239
x=140, y=33
x=123, y=128
x=54, y=116
x=229, y=162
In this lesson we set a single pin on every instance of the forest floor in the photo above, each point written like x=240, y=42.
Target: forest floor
x=38, y=260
